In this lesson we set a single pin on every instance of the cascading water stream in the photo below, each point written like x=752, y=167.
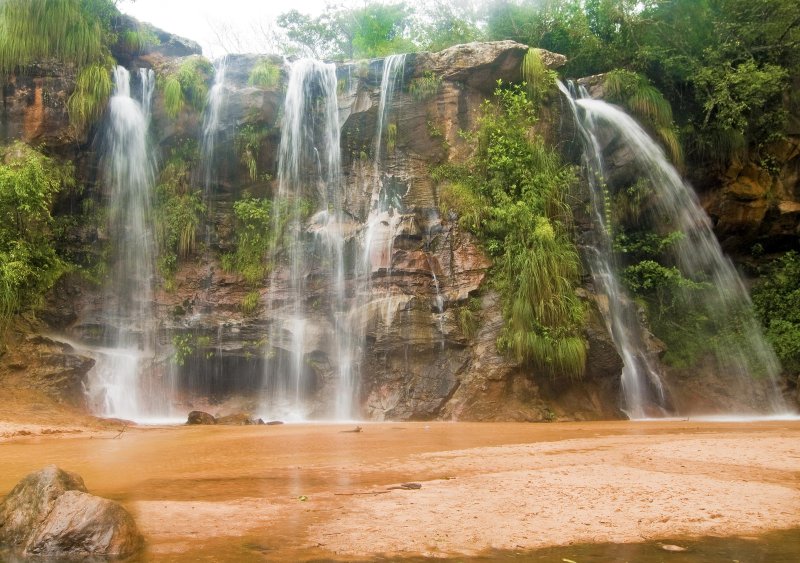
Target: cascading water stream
x=642, y=389
x=118, y=386
x=211, y=127
x=698, y=255
x=383, y=219
x=309, y=170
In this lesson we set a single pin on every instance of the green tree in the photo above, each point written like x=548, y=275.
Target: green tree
x=374, y=30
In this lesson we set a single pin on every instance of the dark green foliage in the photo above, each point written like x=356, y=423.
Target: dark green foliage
x=179, y=210
x=512, y=195
x=29, y=264
x=777, y=304
x=72, y=31
x=442, y=23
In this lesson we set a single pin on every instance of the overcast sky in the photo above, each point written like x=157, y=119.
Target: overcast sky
x=218, y=25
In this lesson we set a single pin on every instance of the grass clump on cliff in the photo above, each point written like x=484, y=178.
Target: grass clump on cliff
x=29, y=263
x=512, y=195
x=187, y=85
x=90, y=97
x=70, y=31
x=179, y=211
x=265, y=74
x=646, y=102
x=253, y=240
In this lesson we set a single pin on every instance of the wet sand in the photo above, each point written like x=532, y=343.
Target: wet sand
x=298, y=492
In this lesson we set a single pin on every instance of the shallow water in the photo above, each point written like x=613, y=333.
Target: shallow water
x=233, y=493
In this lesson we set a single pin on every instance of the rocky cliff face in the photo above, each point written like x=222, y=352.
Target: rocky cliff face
x=419, y=360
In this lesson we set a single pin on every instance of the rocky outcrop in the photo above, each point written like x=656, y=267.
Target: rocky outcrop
x=419, y=360
x=50, y=514
x=200, y=417
x=48, y=366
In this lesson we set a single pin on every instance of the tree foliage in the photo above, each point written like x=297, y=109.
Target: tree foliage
x=29, y=264
x=777, y=303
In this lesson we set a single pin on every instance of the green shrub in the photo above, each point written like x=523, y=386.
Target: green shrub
x=250, y=302
x=179, y=210
x=254, y=240
x=29, y=263
x=646, y=102
x=138, y=41
x=777, y=303
x=248, y=145
x=539, y=80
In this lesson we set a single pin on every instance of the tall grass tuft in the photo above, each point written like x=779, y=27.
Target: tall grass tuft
x=646, y=102
x=265, y=74
x=539, y=80
x=90, y=97
x=69, y=31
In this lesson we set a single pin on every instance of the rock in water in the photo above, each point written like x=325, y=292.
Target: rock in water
x=200, y=417
x=50, y=513
x=83, y=524
x=31, y=500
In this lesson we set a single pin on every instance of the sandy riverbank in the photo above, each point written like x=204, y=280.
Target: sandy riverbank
x=303, y=491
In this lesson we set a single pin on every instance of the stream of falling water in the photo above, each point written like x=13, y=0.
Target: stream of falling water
x=698, y=256
x=309, y=172
x=642, y=388
x=116, y=385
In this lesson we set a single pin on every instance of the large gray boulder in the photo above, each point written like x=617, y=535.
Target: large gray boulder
x=50, y=513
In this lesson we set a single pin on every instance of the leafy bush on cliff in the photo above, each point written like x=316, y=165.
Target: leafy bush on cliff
x=179, y=210
x=512, y=195
x=29, y=264
x=777, y=304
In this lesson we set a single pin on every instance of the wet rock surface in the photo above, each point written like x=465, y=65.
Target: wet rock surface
x=50, y=513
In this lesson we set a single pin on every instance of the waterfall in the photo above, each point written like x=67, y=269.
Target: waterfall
x=309, y=173
x=118, y=385
x=211, y=126
x=384, y=218
x=697, y=255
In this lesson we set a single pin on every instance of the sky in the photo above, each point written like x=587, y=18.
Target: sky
x=218, y=25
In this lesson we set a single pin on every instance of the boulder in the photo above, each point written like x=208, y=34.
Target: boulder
x=200, y=417
x=50, y=513
x=237, y=419
x=31, y=500
x=83, y=524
